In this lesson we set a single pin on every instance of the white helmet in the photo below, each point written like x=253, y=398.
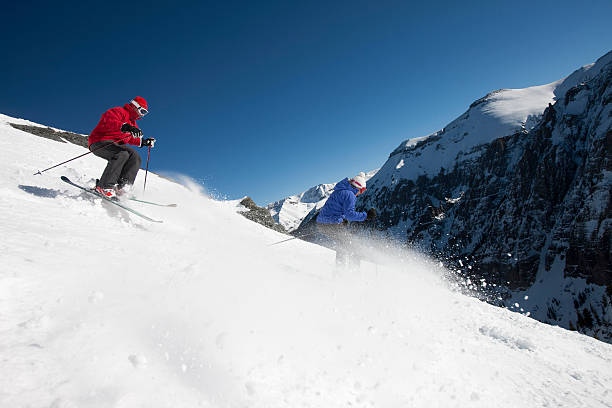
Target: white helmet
x=359, y=182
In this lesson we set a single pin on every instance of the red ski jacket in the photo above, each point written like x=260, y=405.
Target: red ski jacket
x=109, y=127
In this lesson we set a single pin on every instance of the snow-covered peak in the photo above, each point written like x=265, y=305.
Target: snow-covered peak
x=500, y=113
x=512, y=107
x=581, y=75
x=290, y=211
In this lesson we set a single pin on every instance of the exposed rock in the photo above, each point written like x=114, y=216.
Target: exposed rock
x=58, y=136
x=528, y=205
x=259, y=215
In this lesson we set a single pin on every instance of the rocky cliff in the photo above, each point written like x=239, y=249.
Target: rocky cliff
x=526, y=206
x=259, y=215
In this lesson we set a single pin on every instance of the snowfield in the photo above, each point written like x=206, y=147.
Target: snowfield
x=101, y=309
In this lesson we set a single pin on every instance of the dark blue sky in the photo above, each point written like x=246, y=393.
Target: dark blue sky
x=270, y=98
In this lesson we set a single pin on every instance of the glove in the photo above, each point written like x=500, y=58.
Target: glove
x=148, y=142
x=127, y=128
x=371, y=214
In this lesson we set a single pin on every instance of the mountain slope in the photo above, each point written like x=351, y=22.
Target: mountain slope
x=500, y=113
x=526, y=209
x=290, y=211
x=99, y=309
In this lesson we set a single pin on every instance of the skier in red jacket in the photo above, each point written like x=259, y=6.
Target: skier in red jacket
x=117, y=129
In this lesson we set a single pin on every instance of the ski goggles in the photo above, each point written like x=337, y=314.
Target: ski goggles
x=141, y=111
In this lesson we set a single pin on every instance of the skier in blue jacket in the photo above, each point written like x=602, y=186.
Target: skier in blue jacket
x=338, y=210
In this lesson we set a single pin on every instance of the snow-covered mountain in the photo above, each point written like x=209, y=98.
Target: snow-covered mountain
x=518, y=188
x=291, y=211
x=500, y=113
x=99, y=308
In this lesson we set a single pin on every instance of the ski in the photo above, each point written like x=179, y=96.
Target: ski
x=152, y=203
x=67, y=180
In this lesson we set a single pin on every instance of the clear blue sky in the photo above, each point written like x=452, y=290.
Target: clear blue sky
x=270, y=98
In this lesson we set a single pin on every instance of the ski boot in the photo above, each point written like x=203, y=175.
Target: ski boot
x=106, y=192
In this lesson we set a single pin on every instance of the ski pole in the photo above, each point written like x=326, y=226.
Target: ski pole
x=74, y=158
x=289, y=239
x=146, y=170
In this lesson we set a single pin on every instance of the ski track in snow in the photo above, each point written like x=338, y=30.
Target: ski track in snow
x=101, y=309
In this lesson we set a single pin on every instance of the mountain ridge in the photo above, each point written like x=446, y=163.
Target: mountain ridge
x=461, y=194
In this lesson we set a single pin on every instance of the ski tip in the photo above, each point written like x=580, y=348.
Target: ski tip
x=171, y=205
x=64, y=178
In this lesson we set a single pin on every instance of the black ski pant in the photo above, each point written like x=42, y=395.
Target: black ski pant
x=123, y=163
x=342, y=238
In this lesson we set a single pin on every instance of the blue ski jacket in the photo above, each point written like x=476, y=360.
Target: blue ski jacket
x=341, y=205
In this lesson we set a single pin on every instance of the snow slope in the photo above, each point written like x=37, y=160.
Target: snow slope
x=101, y=309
